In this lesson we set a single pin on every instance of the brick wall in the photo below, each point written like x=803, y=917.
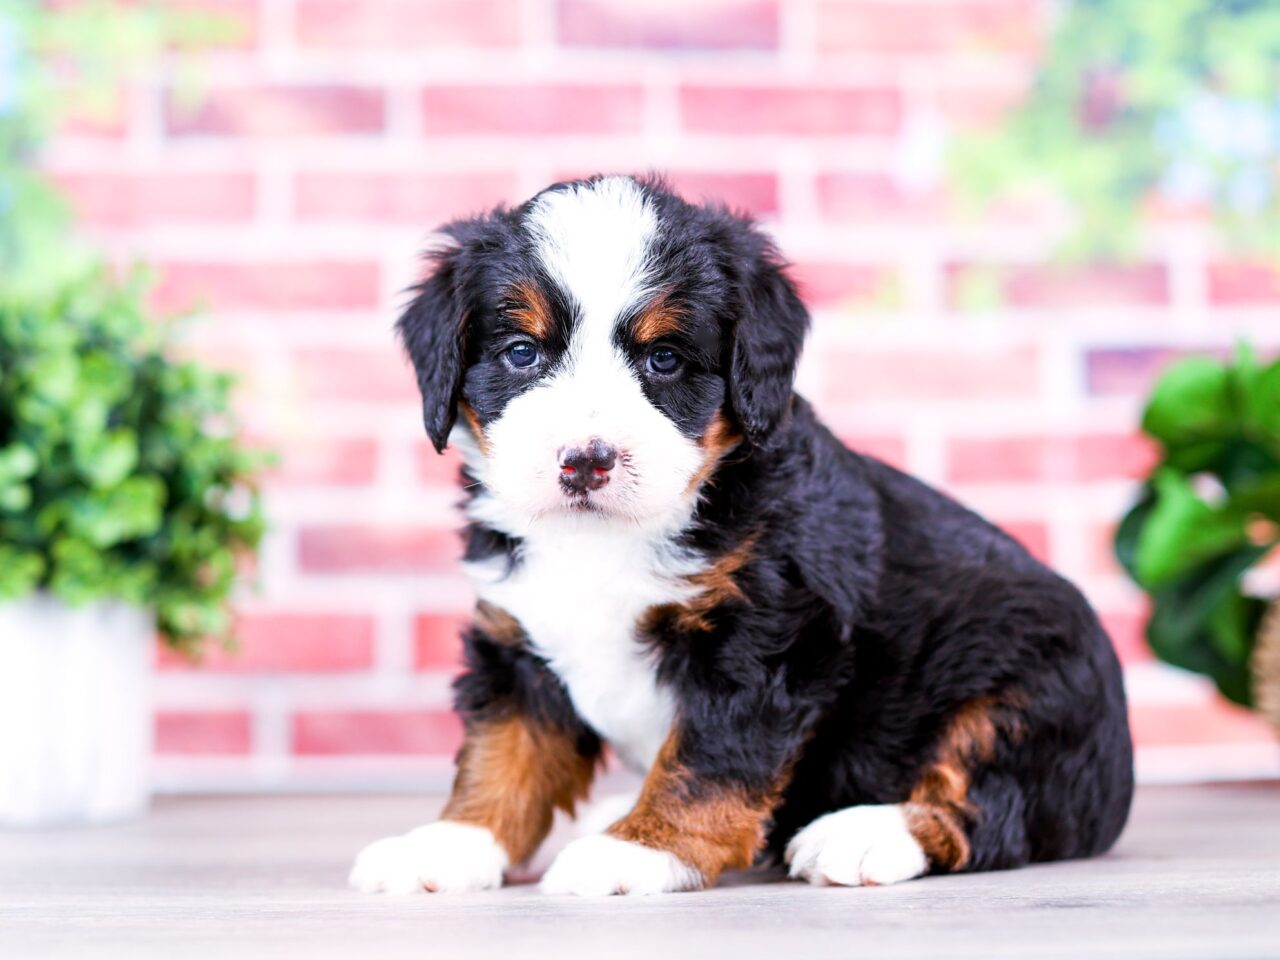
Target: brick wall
x=289, y=200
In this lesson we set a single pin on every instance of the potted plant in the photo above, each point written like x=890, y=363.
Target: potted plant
x=126, y=506
x=125, y=500
x=1209, y=514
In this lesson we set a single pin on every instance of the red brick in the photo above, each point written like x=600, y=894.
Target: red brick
x=376, y=732
x=193, y=733
x=791, y=111
x=423, y=200
x=926, y=27
x=1038, y=286
x=853, y=197
x=1244, y=284
x=288, y=643
x=891, y=449
x=931, y=374
x=1029, y=459
x=983, y=106
x=532, y=109
x=1032, y=534
x=1215, y=721
x=370, y=376
x=753, y=193
x=280, y=285
x=437, y=643
x=1127, y=371
x=438, y=469
x=1126, y=456
x=1102, y=549
x=857, y=285
x=106, y=118
x=355, y=549
x=329, y=461
x=278, y=112
x=225, y=24
x=1127, y=630
x=407, y=24
x=709, y=24
x=144, y=199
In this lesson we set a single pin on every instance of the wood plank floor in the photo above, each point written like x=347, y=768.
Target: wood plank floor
x=1197, y=874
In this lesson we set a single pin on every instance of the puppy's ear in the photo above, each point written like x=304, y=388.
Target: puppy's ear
x=767, y=339
x=433, y=331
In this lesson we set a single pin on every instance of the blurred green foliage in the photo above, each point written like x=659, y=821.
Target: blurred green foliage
x=120, y=472
x=1141, y=102
x=1209, y=513
x=64, y=60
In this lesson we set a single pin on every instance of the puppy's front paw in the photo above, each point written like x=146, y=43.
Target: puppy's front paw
x=601, y=865
x=857, y=846
x=442, y=857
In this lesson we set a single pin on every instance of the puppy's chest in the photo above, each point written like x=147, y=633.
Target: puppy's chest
x=579, y=600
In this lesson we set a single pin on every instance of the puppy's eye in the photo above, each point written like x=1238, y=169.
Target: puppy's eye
x=663, y=360
x=522, y=355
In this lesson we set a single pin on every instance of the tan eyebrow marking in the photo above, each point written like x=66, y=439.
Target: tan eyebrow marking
x=531, y=311
x=659, y=319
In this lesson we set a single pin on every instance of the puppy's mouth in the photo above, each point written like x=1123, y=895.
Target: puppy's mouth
x=578, y=500
x=581, y=503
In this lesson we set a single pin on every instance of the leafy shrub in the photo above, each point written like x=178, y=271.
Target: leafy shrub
x=1209, y=512
x=120, y=472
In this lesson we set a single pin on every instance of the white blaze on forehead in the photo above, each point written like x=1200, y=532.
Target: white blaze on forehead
x=593, y=239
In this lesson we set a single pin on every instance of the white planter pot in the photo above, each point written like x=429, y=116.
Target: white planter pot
x=75, y=712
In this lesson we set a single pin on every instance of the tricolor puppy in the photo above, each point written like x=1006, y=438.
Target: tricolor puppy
x=811, y=656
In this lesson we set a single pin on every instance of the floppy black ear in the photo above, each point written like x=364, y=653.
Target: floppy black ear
x=767, y=338
x=433, y=331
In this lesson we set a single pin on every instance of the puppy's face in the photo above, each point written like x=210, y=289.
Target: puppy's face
x=606, y=345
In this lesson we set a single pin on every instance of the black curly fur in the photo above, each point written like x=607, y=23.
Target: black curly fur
x=873, y=608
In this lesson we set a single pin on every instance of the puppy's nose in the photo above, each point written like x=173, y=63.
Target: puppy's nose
x=586, y=468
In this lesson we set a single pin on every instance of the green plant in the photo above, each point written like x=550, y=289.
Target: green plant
x=120, y=472
x=1209, y=512
x=60, y=60
x=1169, y=103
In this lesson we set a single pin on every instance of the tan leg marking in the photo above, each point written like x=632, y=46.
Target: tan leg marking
x=712, y=829
x=512, y=776
x=939, y=807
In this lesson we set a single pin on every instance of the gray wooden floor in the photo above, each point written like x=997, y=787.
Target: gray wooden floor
x=1196, y=875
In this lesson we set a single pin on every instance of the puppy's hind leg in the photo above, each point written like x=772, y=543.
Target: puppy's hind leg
x=963, y=813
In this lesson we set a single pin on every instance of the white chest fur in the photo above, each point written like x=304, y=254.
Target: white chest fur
x=578, y=591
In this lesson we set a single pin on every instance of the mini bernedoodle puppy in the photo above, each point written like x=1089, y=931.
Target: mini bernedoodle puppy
x=811, y=656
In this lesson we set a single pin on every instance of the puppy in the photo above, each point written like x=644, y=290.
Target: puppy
x=810, y=655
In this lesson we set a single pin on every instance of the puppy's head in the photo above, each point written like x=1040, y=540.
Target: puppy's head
x=604, y=346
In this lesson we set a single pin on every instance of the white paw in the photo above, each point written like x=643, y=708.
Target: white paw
x=602, y=865
x=857, y=846
x=442, y=857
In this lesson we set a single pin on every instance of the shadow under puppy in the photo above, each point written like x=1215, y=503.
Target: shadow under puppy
x=811, y=655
